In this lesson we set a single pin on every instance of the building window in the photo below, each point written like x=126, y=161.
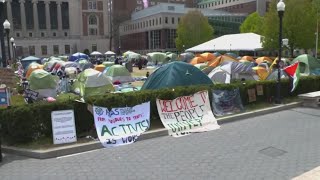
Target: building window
x=93, y=25
x=55, y=49
x=172, y=20
x=42, y=34
x=155, y=39
x=171, y=36
x=159, y=20
x=30, y=34
x=65, y=34
x=67, y=49
x=28, y=5
x=166, y=20
x=92, y=5
x=18, y=34
x=44, y=50
x=152, y=22
x=94, y=47
x=32, y=50
x=65, y=15
x=54, y=34
x=41, y=14
x=53, y=15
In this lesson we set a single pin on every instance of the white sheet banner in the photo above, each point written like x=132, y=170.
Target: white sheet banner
x=121, y=126
x=187, y=114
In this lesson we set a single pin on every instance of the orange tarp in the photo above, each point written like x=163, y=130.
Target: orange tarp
x=32, y=68
x=217, y=61
x=197, y=60
x=262, y=72
x=262, y=59
x=207, y=56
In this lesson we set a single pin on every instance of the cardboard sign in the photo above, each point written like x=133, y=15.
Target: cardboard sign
x=63, y=127
x=226, y=102
x=252, y=95
x=4, y=97
x=187, y=114
x=121, y=126
x=31, y=94
x=259, y=88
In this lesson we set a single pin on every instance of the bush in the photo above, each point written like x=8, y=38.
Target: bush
x=25, y=123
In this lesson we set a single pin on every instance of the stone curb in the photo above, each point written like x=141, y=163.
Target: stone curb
x=78, y=148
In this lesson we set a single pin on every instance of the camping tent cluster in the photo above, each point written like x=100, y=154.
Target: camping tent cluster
x=82, y=77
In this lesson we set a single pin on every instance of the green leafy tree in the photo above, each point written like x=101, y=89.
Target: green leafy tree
x=193, y=29
x=298, y=25
x=253, y=23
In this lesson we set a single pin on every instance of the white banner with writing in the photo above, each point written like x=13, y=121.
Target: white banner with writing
x=121, y=126
x=187, y=114
x=63, y=127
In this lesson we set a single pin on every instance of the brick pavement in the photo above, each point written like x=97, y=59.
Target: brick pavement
x=281, y=145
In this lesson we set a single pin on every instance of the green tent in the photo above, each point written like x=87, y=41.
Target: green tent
x=41, y=79
x=91, y=82
x=176, y=74
x=158, y=57
x=119, y=73
x=108, y=63
x=308, y=64
x=126, y=54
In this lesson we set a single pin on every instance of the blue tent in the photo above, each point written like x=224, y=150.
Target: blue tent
x=176, y=74
x=28, y=60
x=78, y=55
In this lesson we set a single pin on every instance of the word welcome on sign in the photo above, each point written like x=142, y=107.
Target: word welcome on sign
x=187, y=114
x=120, y=126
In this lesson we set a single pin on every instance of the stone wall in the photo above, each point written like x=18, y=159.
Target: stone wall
x=7, y=77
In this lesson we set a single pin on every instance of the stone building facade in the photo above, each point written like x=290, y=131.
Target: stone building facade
x=44, y=28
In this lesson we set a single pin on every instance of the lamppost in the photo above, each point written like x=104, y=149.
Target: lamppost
x=280, y=8
x=3, y=51
x=14, y=51
x=183, y=48
x=6, y=26
x=13, y=55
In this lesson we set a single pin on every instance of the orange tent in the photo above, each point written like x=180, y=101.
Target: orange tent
x=100, y=67
x=33, y=67
x=263, y=59
x=207, y=56
x=248, y=58
x=197, y=60
x=223, y=58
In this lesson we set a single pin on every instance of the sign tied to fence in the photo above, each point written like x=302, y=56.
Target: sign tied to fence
x=226, y=102
x=121, y=126
x=187, y=114
x=63, y=127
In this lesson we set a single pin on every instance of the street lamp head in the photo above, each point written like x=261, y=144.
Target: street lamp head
x=14, y=44
x=11, y=40
x=6, y=24
x=281, y=6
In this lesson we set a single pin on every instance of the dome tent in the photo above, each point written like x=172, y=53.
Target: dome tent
x=308, y=64
x=175, y=74
x=44, y=83
x=92, y=82
x=119, y=73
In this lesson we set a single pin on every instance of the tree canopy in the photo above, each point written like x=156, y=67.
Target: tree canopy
x=192, y=30
x=299, y=25
x=253, y=23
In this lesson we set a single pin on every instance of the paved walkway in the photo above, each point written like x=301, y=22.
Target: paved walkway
x=281, y=145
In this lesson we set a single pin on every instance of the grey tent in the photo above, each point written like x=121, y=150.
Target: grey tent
x=274, y=75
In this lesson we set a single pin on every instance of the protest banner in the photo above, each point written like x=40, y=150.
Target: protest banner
x=259, y=89
x=226, y=102
x=187, y=114
x=252, y=95
x=4, y=97
x=63, y=127
x=121, y=126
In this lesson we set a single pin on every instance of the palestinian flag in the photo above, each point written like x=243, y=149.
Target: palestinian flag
x=294, y=72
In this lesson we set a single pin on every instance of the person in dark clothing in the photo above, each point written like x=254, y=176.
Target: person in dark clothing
x=116, y=61
x=140, y=64
x=147, y=75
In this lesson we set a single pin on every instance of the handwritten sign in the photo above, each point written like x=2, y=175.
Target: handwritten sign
x=252, y=95
x=4, y=97
x=187, y=114
x=31, y=94
x=63, y=127
x=226, y=102
x=259, y=89
x=121, y=126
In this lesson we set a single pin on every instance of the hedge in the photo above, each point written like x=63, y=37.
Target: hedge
x=26, y=123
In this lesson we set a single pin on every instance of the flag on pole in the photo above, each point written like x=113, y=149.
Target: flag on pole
x=294, y=72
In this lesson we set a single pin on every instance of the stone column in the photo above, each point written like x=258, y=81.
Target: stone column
x=9, y=12
x=35, y=17
x=23, y=18
x=47, y=3
x=59, y=17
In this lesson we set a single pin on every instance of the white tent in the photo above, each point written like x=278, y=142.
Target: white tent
x=231, y=42
x=95, y=53
x=110, y=53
